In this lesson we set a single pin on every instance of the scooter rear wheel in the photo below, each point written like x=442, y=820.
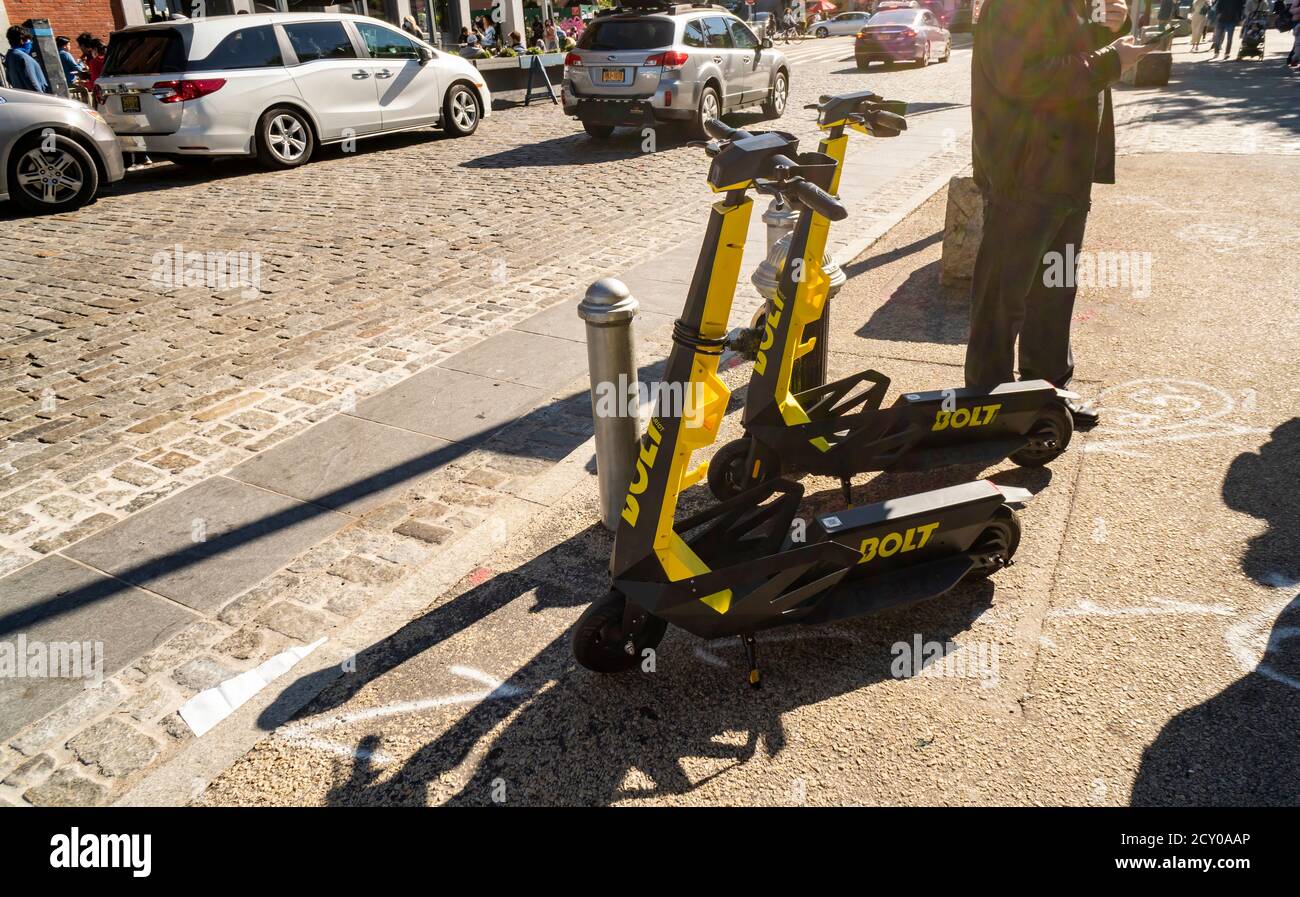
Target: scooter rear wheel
x=601, y=645
x=727, y=470
x=1054, y=423
x=1000, y=538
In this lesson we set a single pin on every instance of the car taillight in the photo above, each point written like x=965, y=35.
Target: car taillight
x=669, y=59
x=908, y=32
x=190, y=89
x=573, y=59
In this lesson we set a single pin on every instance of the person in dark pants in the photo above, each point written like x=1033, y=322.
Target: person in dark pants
x=1044, y=132
x=1225, y=25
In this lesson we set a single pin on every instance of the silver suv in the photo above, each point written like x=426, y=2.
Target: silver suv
x=650, y=62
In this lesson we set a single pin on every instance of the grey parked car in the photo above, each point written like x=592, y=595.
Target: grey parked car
x=55, y=154
x=642, y=65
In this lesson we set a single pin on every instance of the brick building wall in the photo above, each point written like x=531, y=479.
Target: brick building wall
x=70, y=17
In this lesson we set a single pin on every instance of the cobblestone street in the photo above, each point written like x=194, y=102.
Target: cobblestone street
x=116, y=391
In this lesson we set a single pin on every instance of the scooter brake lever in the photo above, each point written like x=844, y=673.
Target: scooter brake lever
x=710, y=147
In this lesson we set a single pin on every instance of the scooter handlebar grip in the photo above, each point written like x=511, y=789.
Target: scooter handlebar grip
x=720, y=130
x=820, y=201
x=889, y=120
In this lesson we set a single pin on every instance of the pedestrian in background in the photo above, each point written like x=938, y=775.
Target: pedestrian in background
x=1227, y=17
x=1293, y=58
x=22, y=70
x=1199, y=9
x=71, y=68
x=1044, y=133
x=95, y=64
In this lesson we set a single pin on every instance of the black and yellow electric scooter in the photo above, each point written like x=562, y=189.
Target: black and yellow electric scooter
x=740, y=566
x=840, y=429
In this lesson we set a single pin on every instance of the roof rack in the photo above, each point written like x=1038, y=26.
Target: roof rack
x=632, y=7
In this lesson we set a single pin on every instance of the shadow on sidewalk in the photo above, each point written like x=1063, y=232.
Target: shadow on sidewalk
x=1239, y=748
x=921, y=309
x=549, y=432
x=581, y=738
x=1242, y=91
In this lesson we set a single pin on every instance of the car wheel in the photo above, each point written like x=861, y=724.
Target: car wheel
x=284, y=138
x=60, y=180
x=925, y=57
x=600, y=132
x=863, y=64
x=460, y=111
x=822, y=32
x=774, y=107
x=709, y=107
x=947, y=52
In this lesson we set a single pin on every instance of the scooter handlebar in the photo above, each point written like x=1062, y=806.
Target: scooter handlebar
x=720, y=130
x=889, y=120
x=819, y=201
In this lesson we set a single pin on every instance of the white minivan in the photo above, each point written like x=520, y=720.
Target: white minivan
x=278, y=85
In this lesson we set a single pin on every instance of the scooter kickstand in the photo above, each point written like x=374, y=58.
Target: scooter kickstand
x=846, y=483
x=751, y=656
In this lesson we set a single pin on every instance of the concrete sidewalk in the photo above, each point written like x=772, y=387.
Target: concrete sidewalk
x=1139, y=651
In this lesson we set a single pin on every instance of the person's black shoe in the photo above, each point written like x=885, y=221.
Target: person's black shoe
x=1086, y=415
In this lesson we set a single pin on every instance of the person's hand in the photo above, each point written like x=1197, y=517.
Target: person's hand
x=1116, y=13
x=1129, y=52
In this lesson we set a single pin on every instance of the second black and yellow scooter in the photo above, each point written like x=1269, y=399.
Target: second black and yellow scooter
x=840, y=429
x=743, y=565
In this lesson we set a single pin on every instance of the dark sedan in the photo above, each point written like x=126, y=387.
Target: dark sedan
x=902, y=35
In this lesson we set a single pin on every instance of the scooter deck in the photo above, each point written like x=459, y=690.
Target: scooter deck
x=760, y=574
x=848, y=433
x=858, y=598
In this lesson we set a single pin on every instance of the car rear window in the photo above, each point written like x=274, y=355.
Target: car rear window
x=150, y=52
x=627, y=34
x=894, y=17
x=247, y=48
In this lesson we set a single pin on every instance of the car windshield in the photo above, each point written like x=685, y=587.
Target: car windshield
x=627, y=34
x=894, y=17
x=149, y=52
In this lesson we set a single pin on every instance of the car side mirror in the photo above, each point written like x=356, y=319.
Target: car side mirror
x=426, y=55
x=767, y=43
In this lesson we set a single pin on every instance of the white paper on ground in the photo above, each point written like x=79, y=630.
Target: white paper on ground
x=209, y=707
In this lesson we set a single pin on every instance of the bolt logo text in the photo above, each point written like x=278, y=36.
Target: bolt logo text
x=896, y=543
x=976, y=416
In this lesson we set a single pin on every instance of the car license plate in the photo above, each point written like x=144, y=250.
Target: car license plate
x=130, y=143
x=130, y=102
x=615, y=75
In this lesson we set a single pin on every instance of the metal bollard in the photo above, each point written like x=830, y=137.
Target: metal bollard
x=608, y=308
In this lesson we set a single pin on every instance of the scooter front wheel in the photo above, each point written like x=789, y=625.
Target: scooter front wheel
x=1050, y=435
x=997, y=544
x=727, y=475
x=602, y=645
